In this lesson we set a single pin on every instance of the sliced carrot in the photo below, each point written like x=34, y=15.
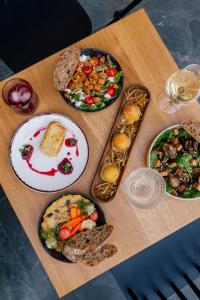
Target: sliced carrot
x=78, y=212
x=73, y=212
x=75, y=229
x=73, y=222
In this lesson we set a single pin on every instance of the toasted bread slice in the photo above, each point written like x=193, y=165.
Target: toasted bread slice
x=93, y=258
x=87, y=240
x=193, y=128
x=53, y=139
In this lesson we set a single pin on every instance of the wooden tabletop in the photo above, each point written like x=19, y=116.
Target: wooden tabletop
x=144, y=59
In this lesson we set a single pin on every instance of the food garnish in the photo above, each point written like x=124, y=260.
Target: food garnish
x=118, y=148
x=70, y=142
x=88, y=224
x=64, y=233
x=65, y=167
x=94, y=216
x=26, y=151
x=74, y=221
x=176, y=156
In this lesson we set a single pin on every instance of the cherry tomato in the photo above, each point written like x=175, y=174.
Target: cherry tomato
x=64, y=233
x=94, y=216
x=94, y=61
x=87, y=69
x=111, y=72
x=89, y=100
x=111, y=91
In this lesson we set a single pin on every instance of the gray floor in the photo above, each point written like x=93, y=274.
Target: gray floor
x=21, y=275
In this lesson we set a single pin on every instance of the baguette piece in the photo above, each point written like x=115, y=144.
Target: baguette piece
x=193, y=128
x=53, y=139
x=93, y=258
x=87, y=240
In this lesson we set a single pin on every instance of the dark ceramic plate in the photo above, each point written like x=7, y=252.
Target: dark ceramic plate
x=57, y=255
x=96, y=52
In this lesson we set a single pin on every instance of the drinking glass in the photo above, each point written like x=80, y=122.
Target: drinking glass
x=144, y=187
x=18, y=94
x=182, y=88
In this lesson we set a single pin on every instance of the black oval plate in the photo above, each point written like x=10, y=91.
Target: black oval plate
x=96, y=52
x=57, y=255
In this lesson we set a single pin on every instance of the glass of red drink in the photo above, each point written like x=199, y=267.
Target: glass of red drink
x=19, y=94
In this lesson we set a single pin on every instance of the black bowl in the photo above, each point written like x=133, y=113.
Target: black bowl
x=57, y=255
x=96, y=52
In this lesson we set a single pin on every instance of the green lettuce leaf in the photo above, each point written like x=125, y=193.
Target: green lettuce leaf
x=163, y=138
x=191, y=193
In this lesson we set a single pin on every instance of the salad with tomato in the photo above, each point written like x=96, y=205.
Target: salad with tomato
x=95, y=83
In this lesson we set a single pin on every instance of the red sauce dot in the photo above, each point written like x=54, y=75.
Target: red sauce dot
x=68, y=153
x=70, y=158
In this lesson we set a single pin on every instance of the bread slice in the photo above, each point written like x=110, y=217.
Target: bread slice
x=65, y=68
x=87, y=240
x=193, y=128
x=93, y=258
x=53, y=139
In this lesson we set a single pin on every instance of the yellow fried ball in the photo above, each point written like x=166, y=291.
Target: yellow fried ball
x=110, y=173
x=120, y=142
x=131, y=113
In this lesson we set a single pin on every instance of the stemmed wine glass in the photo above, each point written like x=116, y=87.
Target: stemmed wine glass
x=182, y=88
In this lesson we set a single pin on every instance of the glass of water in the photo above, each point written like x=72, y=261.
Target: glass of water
x=144, y=187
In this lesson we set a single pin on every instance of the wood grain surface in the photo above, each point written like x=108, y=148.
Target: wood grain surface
x=144, y=59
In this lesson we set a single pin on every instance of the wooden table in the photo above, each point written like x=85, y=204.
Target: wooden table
x=144, y=59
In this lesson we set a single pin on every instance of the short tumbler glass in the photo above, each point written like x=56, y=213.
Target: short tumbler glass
x=144, y=187
x=18, y=94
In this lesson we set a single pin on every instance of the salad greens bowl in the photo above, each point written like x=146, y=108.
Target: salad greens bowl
x=176, y=156
x=96, y=83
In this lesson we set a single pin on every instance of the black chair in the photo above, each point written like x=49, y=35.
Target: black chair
x=34, y=29
x=119, y=14
x=169, y=267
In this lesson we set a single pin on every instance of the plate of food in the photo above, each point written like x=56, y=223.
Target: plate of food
x=88, y=79
x=175, y=154
x=48, y=152
x=73, y=229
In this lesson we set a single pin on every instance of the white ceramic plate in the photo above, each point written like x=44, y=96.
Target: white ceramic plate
x=24, y=134
x=149, y=161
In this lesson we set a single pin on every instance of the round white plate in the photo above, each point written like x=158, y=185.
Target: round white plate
x=43, y=183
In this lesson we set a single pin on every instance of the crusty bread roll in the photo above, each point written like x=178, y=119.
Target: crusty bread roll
x=53, y=139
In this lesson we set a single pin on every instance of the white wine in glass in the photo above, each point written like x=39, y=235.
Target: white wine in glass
x=182, y=88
